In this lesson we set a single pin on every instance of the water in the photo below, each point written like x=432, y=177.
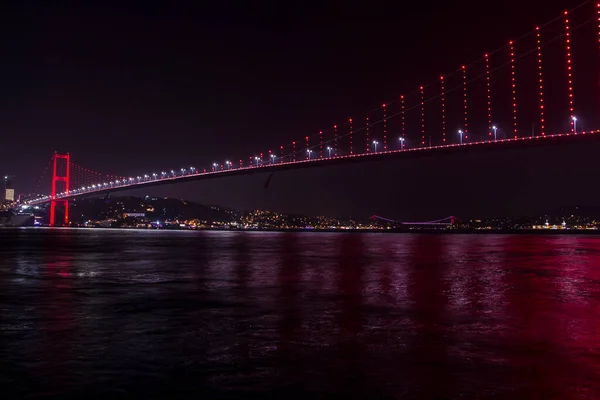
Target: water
x=156, y=314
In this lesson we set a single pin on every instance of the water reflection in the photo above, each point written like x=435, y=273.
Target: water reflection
x=56, y=367
x=177, y=314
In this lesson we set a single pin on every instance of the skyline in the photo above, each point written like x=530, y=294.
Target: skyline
x=143, y=149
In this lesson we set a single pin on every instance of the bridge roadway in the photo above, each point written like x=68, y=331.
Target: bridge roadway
x=500, y=144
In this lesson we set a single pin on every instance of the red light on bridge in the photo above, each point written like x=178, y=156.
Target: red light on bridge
x=384, y=127
x=58, y=176
x=465, y=103
x=569, y=72
x=321, y=144
x=367, y=148
x=540, y=79
x=422, y=89
x=307, y=148
x=335, y=139
x=350, y=134
x=488, y=88
x=443, y=109
x=402, y=117
x=514, y=87
x=598, y=14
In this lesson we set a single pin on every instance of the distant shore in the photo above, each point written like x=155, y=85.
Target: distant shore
x=457, y=231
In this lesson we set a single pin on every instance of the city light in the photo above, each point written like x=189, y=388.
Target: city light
x=308, y=152
x=574, y=119
x=375, y=143
x=329, y=150
x=460, y=132
x=401, y=139
x=495, y=132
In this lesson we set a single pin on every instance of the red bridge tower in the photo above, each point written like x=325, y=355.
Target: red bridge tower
x=60, y=173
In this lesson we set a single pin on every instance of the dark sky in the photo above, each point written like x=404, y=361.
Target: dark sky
x=136, y=87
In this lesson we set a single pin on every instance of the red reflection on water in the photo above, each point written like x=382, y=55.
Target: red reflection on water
x=57, y=324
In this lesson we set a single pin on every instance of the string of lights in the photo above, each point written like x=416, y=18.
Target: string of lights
x=367, y=143
x=402, y=118
x=444, y=92
x=488, y=89
x=422, y=115
x=405, y=109
x=351, y=130
x=443, y=108
x=335, y=138
x=540, y=79
x=513, y=84
x=321, y=144
x=465, y=103
x=384, y=127
x=569, y=72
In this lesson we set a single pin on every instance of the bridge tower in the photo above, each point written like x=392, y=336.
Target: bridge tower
x=60, y=173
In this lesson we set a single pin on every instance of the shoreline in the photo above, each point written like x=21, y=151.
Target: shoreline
x=384, y=231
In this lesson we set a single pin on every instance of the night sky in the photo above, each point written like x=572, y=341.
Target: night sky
x=137, y=87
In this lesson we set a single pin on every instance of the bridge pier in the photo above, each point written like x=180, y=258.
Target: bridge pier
x=53, y=204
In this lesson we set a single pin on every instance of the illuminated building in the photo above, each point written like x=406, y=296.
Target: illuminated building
x=9, y=190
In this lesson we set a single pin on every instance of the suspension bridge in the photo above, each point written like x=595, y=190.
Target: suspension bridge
x=525, y=93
